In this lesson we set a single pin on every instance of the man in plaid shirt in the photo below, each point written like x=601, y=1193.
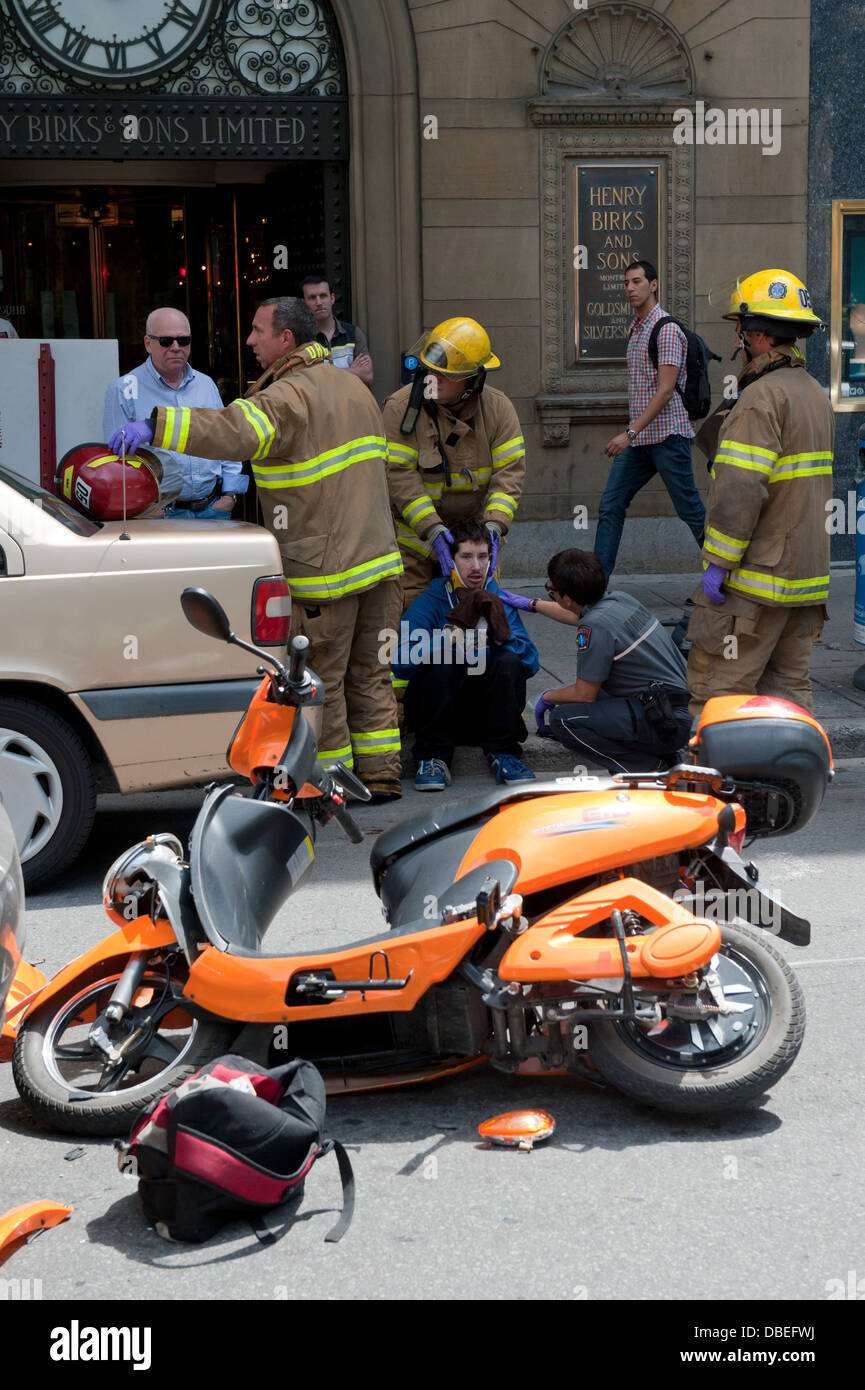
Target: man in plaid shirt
x=658, y=437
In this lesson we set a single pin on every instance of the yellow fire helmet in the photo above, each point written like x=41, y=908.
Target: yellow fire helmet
x=458, y=347
x=777, y=296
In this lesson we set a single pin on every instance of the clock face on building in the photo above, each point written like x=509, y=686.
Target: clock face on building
x=115, y=40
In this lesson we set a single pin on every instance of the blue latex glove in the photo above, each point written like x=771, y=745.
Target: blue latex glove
x=137, y=432
x=541, y=708
x=495, y=539
x=515, y=600
x=713, y=578
x=442, y=549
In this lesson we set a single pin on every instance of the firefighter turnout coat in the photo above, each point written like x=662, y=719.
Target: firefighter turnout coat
x=486, y=460
x=766, y=519
x=314, y=437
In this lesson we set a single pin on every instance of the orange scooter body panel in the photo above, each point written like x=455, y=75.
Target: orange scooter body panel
x=262, y=735
x=593, y=833
x=553, y=948
x=140, y=935
x=25, y=986
x=20, y=1222
x=252, y=988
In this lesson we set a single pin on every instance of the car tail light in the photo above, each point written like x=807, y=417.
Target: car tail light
x=271, y=612
x=737, y=839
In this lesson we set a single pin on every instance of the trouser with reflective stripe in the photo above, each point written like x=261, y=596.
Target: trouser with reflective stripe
x=745, y=648
x=349, y=656
x=616, y=733
x=418, y=572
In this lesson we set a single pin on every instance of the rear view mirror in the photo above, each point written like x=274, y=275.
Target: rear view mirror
x=203, y=611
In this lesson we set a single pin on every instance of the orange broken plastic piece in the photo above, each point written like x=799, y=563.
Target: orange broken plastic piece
x=518, y=1129
x=20, y=1222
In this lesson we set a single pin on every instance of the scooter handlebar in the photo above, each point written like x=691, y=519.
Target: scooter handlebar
x=297, y=665
x=346, y=820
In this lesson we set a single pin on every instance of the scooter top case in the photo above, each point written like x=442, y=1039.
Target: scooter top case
x=776, y=753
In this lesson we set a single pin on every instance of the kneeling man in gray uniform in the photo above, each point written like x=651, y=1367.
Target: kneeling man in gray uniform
x=628, y=706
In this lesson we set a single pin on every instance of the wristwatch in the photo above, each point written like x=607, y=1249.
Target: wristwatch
x=632, y=434
x=533, y=606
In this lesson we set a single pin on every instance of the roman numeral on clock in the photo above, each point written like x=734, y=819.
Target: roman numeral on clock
x=115, y=54
x=75, y=45
x=154, y=41
x=42, y=16
x=181, y=14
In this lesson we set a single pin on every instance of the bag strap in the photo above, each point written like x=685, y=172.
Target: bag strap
x=652, y=345
x=346, y=1177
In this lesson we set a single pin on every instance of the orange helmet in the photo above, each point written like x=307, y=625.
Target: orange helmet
x=91, y=478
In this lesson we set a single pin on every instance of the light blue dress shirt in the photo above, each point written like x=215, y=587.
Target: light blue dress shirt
x=134, y=396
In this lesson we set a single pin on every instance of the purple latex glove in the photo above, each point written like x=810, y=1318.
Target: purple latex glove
x=137, y=432
x=495, y=539
x=515, y=600
x=713, y=578
x=541, y=708
x=442, y=548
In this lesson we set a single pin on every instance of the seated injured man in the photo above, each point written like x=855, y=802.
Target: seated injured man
x=628, y=707
x=465, y=661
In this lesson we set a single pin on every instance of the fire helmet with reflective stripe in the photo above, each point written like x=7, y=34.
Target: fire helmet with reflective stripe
x=773, y=301
x=91, y=478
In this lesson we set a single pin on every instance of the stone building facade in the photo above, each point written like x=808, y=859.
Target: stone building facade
x=519, y=91
x=441, y=156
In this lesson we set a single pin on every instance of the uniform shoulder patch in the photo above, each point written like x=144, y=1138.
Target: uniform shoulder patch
x=584, y=637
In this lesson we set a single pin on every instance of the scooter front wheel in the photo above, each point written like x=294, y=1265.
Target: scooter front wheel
x=71, y=1084
x=702, y=1066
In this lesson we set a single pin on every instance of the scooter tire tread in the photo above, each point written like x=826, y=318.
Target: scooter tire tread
x=692, y=1092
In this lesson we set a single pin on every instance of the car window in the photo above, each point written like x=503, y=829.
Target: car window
x=54, y=506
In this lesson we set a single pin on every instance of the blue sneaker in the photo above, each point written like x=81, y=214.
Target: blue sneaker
x=432, y=775
x=508, y=769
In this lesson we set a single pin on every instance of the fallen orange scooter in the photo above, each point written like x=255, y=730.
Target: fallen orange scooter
x=545, y=927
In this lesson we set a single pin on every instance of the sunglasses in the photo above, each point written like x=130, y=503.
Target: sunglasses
x=166, y=342
x=550, y=590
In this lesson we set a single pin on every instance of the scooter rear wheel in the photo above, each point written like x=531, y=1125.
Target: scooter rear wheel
x=70, y=1085
x=700, y=1068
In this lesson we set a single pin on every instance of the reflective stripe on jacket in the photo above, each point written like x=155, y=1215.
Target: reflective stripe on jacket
x=487, y=458
x=766, y=520
x=317, y=446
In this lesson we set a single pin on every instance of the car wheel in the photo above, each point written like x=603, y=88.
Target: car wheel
x=48, y=787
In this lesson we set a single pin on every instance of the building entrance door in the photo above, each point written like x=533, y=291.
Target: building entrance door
x=92, y=262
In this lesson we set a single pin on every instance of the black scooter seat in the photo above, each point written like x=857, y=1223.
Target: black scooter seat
x=439, y=820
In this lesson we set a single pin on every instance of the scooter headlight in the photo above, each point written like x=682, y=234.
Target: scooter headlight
x=123, y=881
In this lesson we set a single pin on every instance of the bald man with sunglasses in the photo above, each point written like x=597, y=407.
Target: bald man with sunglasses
x=209, y=488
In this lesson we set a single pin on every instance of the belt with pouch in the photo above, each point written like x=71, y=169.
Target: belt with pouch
x=658, y=701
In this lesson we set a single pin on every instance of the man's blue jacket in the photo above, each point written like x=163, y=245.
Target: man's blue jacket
x=427, y=615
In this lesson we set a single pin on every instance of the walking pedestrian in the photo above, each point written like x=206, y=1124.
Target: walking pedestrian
x=658, y=437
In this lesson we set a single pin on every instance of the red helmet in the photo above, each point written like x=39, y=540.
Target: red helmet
x=90, y=477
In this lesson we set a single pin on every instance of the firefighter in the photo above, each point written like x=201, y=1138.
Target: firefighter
x=761, y=604
x=455, y=451
x=318, y=454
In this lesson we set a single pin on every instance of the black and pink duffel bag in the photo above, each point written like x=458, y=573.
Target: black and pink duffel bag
x=233, y=1140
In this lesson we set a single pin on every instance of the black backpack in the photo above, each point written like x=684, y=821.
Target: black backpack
x=697, y=394
x=232, y=1140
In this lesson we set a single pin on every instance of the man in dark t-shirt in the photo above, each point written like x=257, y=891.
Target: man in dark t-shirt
x=345, y=341
x=628, y=706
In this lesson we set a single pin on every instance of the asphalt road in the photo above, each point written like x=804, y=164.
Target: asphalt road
x=623, y=1203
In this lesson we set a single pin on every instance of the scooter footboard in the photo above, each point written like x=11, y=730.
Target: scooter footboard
x=555, y=947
